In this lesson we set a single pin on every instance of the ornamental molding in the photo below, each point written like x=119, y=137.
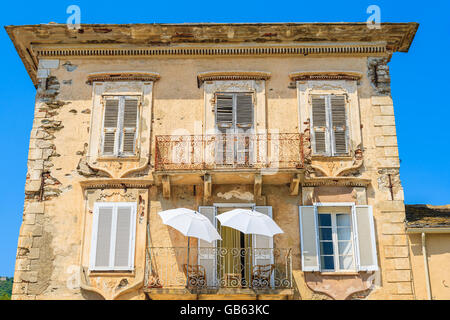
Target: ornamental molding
x=122, y=76
x=345, y=49
x=116, y=184
x=336, y=181
x=231, y=76
x=326, y=76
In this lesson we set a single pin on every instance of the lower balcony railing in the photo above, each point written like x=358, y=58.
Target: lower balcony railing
x=216, y=268
x=221, y=151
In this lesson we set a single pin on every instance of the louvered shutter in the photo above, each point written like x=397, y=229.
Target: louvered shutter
x=319, y=125
x=263, y=245
x=101, y=238
x=207, y=251
x=224, y=112
x=224, y=150
x=123, y=251
x=244, y=111
x=365, y=236
x=244, y=123
x=308, y=238
x=130, y=122
x=339, y=124
x=110, y=126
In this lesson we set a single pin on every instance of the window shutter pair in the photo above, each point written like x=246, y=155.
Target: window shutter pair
x=120, y=124
x=113, y=236
x=234, y=110
x=206, y=251
x=329, y=125
x=365, y=244
x=265, y=244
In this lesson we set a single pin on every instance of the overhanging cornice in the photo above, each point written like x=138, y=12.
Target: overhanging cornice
x=34, y=42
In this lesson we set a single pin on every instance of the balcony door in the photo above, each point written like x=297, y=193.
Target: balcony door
x=234, y=119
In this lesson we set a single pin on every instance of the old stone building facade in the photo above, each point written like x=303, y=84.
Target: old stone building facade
x=294, y=120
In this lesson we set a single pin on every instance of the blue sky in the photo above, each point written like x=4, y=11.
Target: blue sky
x=420, y=82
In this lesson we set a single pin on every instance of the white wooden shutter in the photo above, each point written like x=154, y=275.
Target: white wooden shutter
x=224, y=150
x=130, y=123
x=124, y=239
x=319, y=130
x=113, y=236
x=110, y=126
x=206, y=250
x=244, y=111
x=309, y=238
x=365, y=236
x=263, y=245
x=339, y=124
x=101, y=238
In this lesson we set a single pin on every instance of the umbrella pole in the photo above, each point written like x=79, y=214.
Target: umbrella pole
x=187, y=267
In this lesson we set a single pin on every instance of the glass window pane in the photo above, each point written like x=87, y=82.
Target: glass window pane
x=325, y=220
x=343, y=233
x=343, y=220
x=326, y=247
x=327, y=262
x=346, y=262
x=345, y=247
x=325, y=234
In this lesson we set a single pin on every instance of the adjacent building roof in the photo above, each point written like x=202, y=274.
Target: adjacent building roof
x=33, y=42
x=427, y=216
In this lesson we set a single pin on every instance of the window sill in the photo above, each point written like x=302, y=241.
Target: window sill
x=330, y=158
x=112, y=273
x=340, y=273
x=111, y=158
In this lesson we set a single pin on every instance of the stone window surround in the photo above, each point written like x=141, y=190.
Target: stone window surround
x=325, y=83
x=137, y=84
x=254, y=83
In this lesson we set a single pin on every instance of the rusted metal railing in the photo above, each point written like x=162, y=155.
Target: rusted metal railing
x=219, y=151
x=214, y=268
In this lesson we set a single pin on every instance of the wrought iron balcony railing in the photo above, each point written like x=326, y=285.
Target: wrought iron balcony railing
x=215, y=268
x=220, y=151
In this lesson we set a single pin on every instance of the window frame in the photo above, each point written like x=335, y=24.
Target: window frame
x=93, y=250
x=234, y=123
x=330, y=139
x=120, y=130
x=353, y=237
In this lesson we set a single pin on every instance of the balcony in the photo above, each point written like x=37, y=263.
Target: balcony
x=219, y=272
x=229, y=152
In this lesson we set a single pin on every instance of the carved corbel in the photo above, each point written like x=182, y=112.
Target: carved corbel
x=295, y=183
x=166, y=186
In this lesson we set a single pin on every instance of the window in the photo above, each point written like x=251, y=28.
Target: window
x=234, y=123
x=337, y=237
x=336, y=244
x=113, y=236
x=120, y=126
x=234, y=111
x=329, y=125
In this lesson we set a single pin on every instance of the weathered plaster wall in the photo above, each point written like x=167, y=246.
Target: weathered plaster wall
x=56, y=218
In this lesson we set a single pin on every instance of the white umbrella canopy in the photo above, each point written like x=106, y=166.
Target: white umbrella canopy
x=190, y=223
x=249, y=222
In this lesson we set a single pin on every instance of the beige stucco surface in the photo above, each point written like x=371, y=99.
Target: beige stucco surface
x=54, y=242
